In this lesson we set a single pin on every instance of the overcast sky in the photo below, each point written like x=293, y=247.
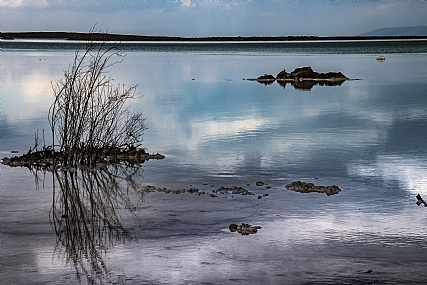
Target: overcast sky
x=213, y=18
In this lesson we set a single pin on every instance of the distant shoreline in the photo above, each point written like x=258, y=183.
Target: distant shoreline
x=118, y=37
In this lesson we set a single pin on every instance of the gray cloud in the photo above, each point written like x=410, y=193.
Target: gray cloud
x=211, y=18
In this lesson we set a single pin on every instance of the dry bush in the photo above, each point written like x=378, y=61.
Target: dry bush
x=89, y=117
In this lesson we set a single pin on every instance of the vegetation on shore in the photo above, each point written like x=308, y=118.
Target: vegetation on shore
x=120, y=37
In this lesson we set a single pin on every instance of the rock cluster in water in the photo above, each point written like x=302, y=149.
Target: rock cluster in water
x=49, y=160
x=303, y=73
x=303, y=78
x=244, y=229
x=307, y=73
x=235, y=190
x=304, y=187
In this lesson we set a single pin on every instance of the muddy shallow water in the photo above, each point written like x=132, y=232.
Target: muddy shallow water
x=365, y=136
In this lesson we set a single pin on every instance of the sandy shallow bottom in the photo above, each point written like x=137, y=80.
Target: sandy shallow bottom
x=354, y=237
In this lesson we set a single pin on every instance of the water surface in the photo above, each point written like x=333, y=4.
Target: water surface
x=217, y=129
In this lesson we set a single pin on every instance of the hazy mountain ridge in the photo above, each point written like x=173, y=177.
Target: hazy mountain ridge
x=126, y=37
x=398, y=31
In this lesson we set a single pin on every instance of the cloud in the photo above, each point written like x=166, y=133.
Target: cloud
x=187, y=3
x=209, y=18
x=11, y=3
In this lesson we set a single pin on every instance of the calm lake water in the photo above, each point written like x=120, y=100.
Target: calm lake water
x=216, y=129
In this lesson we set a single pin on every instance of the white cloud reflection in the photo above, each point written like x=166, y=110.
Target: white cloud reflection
x=409, y=172
x=228, y=128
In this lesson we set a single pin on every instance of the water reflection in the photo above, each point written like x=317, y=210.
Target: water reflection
x=409, y=172
x=86, y=215
x=305, y=85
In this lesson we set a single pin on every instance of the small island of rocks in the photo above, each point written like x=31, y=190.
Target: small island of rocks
x=303, y=78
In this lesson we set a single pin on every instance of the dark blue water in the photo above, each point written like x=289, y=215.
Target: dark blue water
x=294, y=47
x=367, y=136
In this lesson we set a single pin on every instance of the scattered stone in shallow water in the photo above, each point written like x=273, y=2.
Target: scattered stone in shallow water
x=268, y=187
x=192, y=190
x=244, y=229
x=221, y=190
x=233, y=190
x=259, y=183
x=259, y=197
x=304, y=187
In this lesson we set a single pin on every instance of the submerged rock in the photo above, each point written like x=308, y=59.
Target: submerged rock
x=304, y=187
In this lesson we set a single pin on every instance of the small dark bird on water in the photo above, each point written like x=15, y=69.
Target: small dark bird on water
x=420, y=201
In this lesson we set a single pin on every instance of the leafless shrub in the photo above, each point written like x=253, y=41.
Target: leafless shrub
x=89, y=116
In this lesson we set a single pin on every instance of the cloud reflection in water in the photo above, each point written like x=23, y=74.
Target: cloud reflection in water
x=409, y=172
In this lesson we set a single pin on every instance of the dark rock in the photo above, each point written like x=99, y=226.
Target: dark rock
x=304, y=187
x=244, y=229
x=259, y=183
x=192, y=190
x=283, y=75
x=233, y=227
x=233, y=190
x=266, y=77
x=304, y=72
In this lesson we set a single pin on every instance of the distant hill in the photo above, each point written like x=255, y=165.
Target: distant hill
x=119, y=37
x=399, y=31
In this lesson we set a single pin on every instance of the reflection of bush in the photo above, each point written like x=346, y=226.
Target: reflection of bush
x=86, y=217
